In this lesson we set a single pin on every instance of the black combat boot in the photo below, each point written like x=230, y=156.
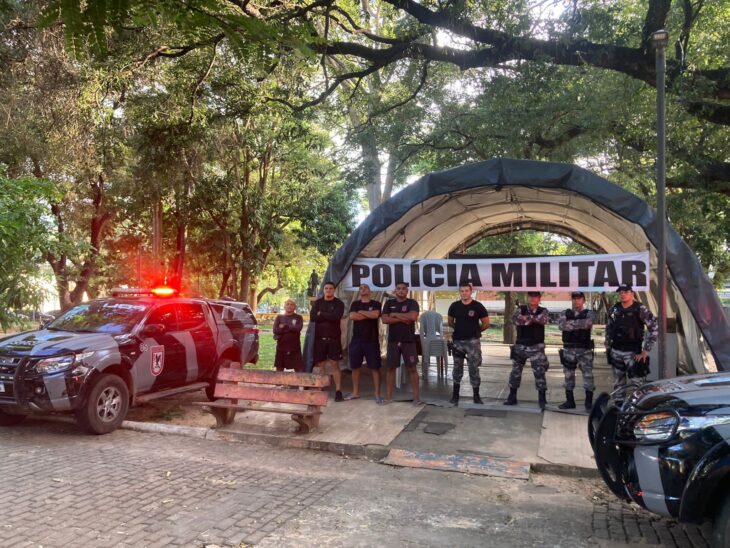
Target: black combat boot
x=541, y=399
x=589, y=401
x=455, y=398
x=477, y=399
x=512, y=398
x=569, y=401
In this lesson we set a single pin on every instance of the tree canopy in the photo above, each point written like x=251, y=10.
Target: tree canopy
x=218, y=142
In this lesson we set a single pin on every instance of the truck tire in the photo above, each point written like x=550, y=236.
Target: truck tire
x=210, y=389
x=8, y=419
x=106, y=406
x=721, y=526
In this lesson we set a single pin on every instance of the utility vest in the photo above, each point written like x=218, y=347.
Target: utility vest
x=532, y=334
x=628, y=329
x=578, y=338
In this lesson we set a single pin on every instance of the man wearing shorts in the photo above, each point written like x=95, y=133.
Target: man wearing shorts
x=287, y=329
x=401, y=314
x=365, y=343
x=327, y=312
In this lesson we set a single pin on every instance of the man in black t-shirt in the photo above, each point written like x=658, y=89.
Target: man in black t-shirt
x=287, y=329
x=468, y=318
x=365, y=342
x=327, y=313
x=401, y=315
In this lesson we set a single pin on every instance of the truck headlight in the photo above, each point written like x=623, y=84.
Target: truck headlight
x=661, y=426
x=692, y=424
x=60, y=363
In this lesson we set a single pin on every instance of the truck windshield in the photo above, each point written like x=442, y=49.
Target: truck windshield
x=111, y=317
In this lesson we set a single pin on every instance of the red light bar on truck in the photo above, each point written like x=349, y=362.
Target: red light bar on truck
x=163, y=291
x=160, y=291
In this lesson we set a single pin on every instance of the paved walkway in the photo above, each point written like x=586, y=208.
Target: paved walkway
x=61, y=488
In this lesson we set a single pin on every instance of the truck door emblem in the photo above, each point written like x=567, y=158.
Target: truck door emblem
x=157, y=359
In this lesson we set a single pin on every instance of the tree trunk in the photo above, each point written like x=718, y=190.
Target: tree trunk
x=64, y=295
x=224, y=283
x=180, y=245
x=508, y=330
x=245, y=287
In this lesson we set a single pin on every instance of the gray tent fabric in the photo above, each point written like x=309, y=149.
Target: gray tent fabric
x=445, y=210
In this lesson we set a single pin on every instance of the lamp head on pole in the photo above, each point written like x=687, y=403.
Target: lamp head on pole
x=660, y=39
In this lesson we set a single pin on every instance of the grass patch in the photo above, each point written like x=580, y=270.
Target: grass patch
x=170, y=413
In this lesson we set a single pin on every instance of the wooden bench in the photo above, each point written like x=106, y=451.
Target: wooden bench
x=272, y=387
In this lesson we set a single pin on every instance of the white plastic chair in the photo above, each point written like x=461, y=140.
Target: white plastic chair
x=433, y=343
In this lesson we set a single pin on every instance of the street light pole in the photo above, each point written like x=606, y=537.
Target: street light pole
x=660, y=40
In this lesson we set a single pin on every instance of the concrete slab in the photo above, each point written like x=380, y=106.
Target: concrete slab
x=470, y=464
x=515, y=436
x=354, y=422
x=564, y=440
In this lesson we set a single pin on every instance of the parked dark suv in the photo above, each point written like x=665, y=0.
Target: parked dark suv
x=100, y=357
x=667, y=448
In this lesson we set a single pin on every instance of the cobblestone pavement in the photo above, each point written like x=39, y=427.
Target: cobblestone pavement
x=60, y=488
x=622, y=522
x=63, y=488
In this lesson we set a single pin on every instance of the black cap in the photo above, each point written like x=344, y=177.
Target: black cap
x=624, y=287
x=575, y=294
x=534, y=294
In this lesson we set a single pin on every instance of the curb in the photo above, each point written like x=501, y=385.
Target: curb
x=367, y=452
x=374, y=453
x=171, y=429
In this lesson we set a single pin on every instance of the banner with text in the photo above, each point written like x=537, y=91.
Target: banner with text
x=556, y=274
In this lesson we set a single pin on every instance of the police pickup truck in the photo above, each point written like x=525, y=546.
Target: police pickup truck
x=667, y=448
x=102, y=356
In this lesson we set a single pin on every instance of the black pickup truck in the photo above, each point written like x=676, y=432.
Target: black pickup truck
x=102, y=356
x=667, y=448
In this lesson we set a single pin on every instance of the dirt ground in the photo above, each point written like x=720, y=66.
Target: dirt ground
x=177, y=409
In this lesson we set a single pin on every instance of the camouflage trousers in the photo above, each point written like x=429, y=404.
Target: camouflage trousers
x=580, y=358
x=625, y=357
x=536, y=354
x=472, y=348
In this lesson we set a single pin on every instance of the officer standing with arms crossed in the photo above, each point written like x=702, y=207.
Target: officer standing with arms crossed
x=401, y=314
x=530, y=320
x=468, y=318
x=576, y=324
x=627, y=344
x=365, y=342
x=327, y=313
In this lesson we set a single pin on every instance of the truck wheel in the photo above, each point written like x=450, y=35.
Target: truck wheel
x=210, y=389
x=106, y=407
x=8, y=419
x=721, y=526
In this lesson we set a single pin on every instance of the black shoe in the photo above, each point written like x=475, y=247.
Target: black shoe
x=569, y=401
x=477, y=399
x=512, y=398
x=541, y=399
x=338, y=396
x=455, y=398
x=589, y=401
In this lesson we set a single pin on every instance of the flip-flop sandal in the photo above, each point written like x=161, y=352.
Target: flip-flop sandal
x=387, y=402
x=379, y=400
x=349, y=397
